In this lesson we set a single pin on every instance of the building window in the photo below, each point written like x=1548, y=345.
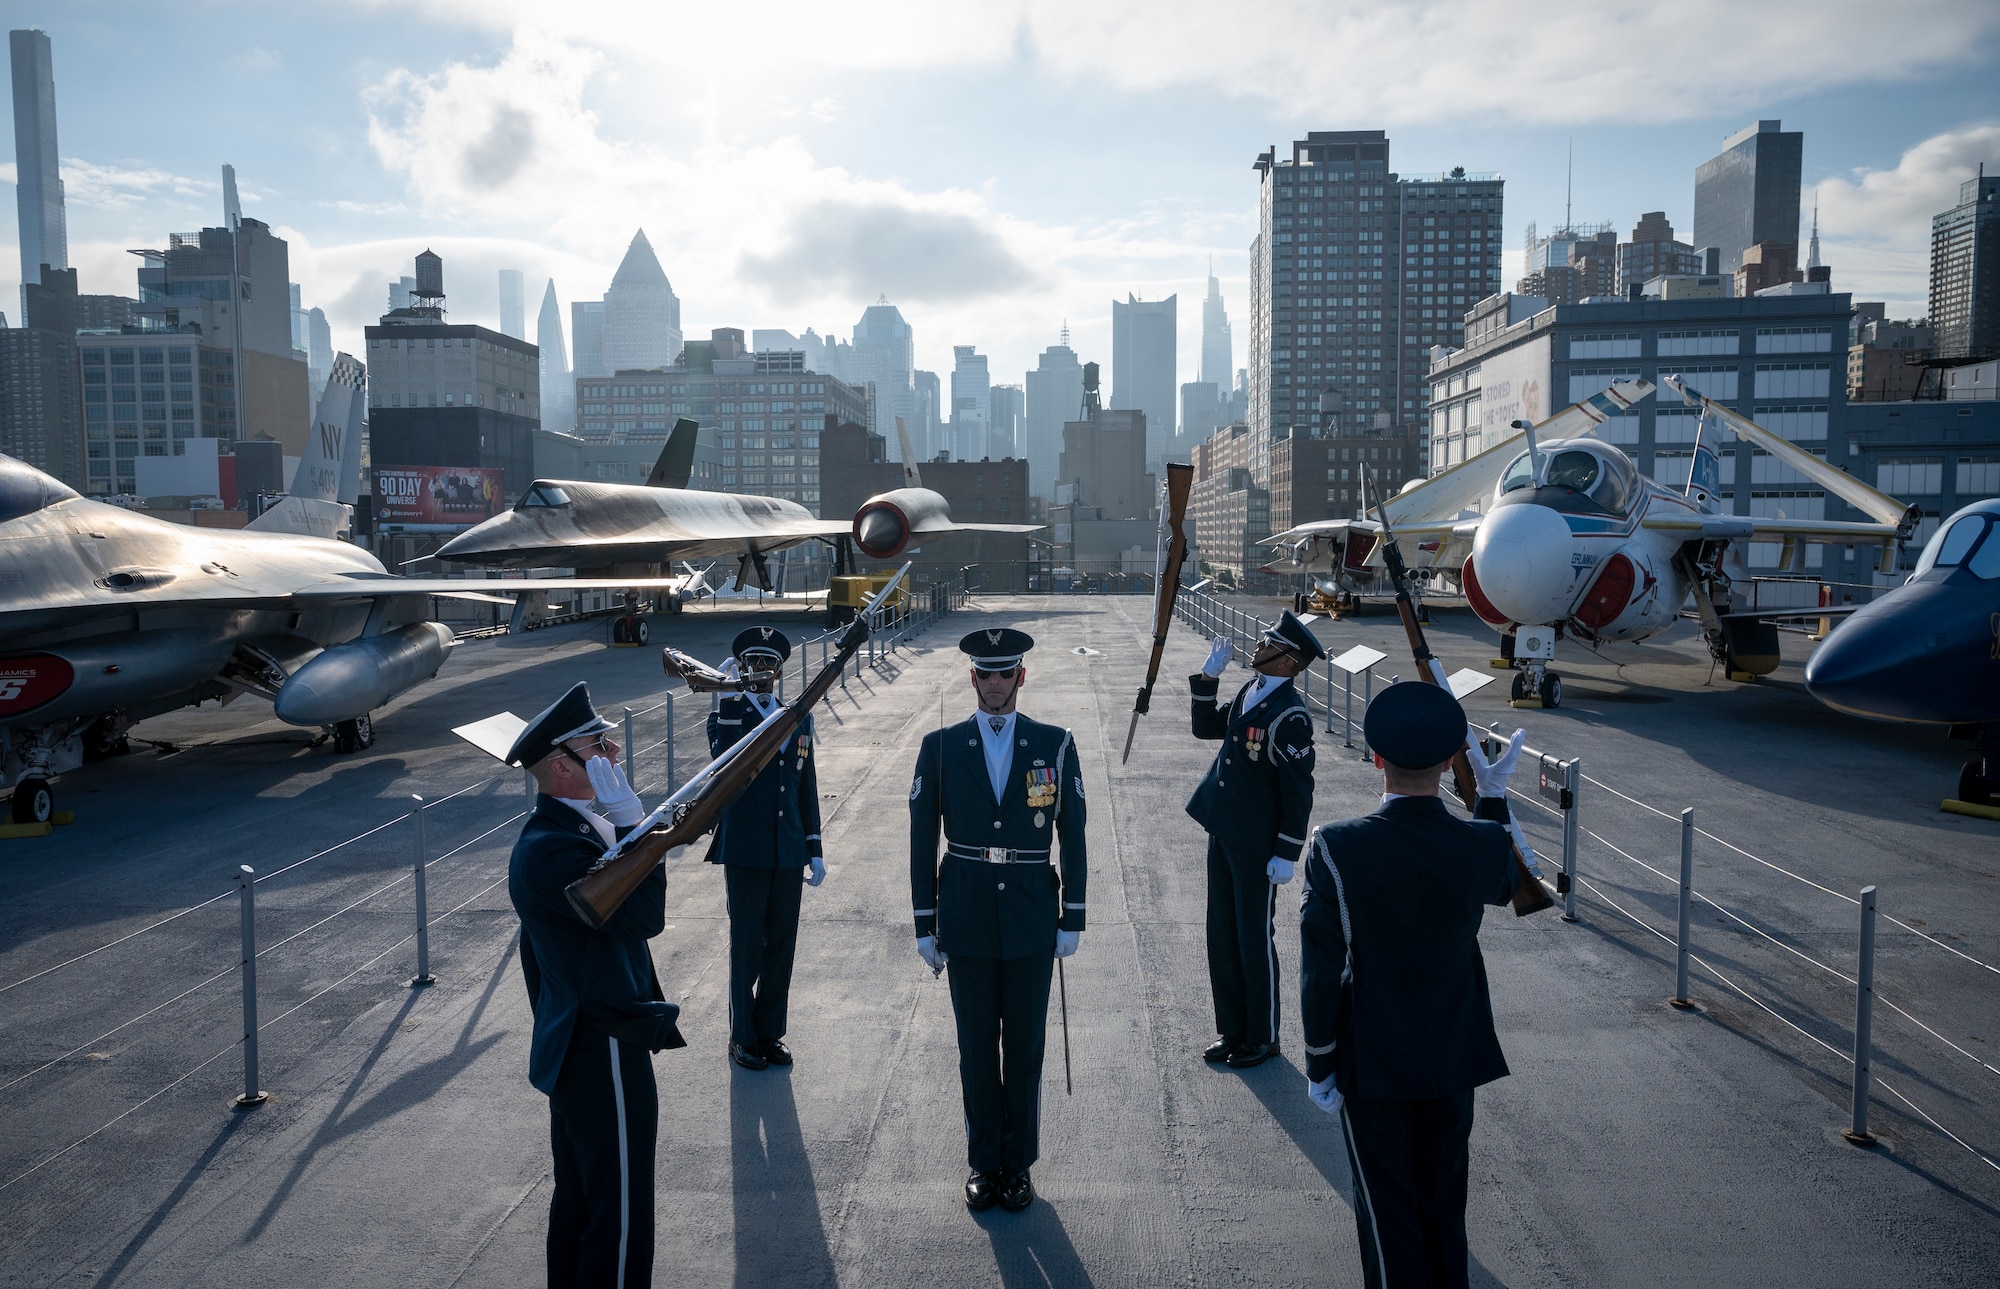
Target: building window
x=1794, y=422
x=1978, y=477
x=1794, y=340
x=1910, y=476
x=1791, y=380
x=1675, y=344
x=1609, y=345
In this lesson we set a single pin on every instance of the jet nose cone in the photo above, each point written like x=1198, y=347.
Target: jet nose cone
x=881, y=531
x=1522, y=553
x=1898, y=659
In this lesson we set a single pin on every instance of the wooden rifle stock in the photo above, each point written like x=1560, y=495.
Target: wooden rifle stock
x=698, y=806
x=1166, y=585
x=704, y=679
x=1530, y=896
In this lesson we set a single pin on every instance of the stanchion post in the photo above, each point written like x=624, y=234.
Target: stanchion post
x=1680, y=998
x=246, y=885
x=672, y=771
x=1572, y=780
x=1329, y=700
x=631, y=751
x=424, y=976
x=1367, y=697
x=1347, y=712
x=1864, y=1019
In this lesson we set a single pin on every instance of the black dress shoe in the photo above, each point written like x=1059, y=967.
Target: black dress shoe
x=746, y=1057
x=1017, y=1191
x=775, y=1052
x=1249, y=1054
x=1218, y=1051
x=981, y=1189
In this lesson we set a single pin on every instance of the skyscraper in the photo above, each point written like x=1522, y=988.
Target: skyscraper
x=38, y=190
x=1003, y=434
x=971, y=403
x=1145, y=376
x=1355, y=273
x=513, y=307
x=642, y=315
x=586, y=334
x=883, y=355
x=1965, y=271
x=1749, y=192
x=1216, y=345
x=1653, y=252
x=927, y=401
x=558, y=389
x=319, y=351
x=1055, y=397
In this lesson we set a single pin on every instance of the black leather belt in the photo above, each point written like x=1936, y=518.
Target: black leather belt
x=996, y=854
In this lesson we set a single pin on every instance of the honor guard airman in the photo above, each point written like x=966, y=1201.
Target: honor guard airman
x=599, y=1011
x=769, y=847
x=1006, y=793
x=1255, y=804
x=1398, y=1023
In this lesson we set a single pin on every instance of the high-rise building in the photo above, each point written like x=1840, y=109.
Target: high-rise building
x=319, y=351
x=884, y=356
x=1965, y=271
x=450, y=394
x=38, y=190
x=1355, y=273
x=642, y=315
x=1217, y=347
x=513, y=305
x=558, y=388
x=927, y=430
x=1572, y=263
x=1145, y=375
x=1003, y=430
x=971, y=403
x=1204, y=406
x=1652, y=253
x=1055, y=396
x=1749, y=192
x=400, y=292
x=40, y=421
x=586, y=334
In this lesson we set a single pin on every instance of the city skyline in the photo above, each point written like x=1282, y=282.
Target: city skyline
x=482, y=147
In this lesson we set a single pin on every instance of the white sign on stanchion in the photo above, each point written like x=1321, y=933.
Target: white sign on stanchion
x=1358, y=660
x=1466, y=681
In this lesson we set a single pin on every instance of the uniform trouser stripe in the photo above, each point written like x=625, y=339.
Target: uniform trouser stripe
x=624, y=1164
x=1364, y=1212
x=1271, y=953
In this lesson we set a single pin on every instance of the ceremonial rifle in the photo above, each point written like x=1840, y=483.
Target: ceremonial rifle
x=1530, y=896
x=1166, y=582
x=704, y=679
x=698, y=806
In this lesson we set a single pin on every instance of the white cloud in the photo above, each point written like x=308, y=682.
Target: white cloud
x=1619, y=60
x=1875, y=225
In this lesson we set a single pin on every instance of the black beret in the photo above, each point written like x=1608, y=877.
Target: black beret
x=996, y=647
x=768, y=639
x=570, y=716
x=1292, y=632
x=1414, y=726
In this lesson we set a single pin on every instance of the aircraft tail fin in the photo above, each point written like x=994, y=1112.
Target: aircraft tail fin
x=911, y=479
x=328, y=479
x=676, y=463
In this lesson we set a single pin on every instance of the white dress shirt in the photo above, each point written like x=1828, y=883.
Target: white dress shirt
x=1260, y=689
x=999, y=747
x=592, y=818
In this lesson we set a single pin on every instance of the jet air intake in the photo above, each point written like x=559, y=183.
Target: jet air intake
x=350, y=680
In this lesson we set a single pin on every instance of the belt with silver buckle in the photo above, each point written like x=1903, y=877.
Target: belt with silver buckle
x=996, y=854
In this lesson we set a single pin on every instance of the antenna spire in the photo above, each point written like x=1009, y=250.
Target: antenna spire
x=1569, y=189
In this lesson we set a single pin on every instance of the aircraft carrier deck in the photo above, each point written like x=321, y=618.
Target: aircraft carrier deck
x=401, y=1145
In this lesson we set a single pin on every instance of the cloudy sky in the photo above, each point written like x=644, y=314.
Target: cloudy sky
x=993, y=168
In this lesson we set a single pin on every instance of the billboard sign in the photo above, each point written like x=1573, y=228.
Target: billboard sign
x=454, y=496
x=1514, y=386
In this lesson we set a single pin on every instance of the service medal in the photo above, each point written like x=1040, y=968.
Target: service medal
x=1040, y=819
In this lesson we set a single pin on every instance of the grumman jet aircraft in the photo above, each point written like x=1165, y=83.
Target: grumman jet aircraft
x=1573, y=540
x=108, y=616
x=614, y=530
x=1929, y=651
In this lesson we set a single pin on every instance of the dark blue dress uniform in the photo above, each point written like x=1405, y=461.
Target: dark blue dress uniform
x=1396, y=1010
x=1256, y=804
x=995, y=902
x=764, y=843
x=599, y=1015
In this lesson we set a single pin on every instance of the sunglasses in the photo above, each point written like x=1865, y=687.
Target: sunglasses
x=998, y=673
x=596, y=745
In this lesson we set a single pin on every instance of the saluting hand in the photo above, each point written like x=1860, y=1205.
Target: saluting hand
x=1493, y=776
x=614, y=794
x=1219, y=655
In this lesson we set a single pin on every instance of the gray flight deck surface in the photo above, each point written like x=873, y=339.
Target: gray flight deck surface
x=402, y=1145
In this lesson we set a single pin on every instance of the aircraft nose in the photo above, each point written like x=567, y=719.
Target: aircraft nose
x=1894, y=659
x=1522, y=553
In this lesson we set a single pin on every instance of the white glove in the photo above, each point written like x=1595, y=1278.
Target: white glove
x=730, y=668
x=1278, y=870
x=1493, y=776
x=614, y=795
x=1324, y=1094
x=933, y=957
x=1219, y=655
x=818, y=873
x=1066, y=942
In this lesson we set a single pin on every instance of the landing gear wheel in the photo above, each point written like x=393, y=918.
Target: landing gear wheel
x=1972, y=787
x=1521, y=687
x=353, y=736
x=621, y=629
x=675, y=604
x=34, y=802
x=1299, y=603
x=1552, y=690
x=639, y=632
